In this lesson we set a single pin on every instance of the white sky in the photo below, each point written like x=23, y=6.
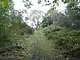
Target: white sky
x=19, y=5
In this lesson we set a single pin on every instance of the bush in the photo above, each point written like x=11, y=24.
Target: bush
x=66, y=41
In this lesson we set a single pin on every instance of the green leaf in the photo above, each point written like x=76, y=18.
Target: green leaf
x=50, y=11
x=66, y=1
x=55, y=1
x=4, y=3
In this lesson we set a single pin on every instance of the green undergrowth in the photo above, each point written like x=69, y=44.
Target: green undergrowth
x=38, y=46
x=64, y=40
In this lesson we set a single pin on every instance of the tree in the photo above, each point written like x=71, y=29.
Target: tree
x=64, y=38
x=68, y=19
x=35, y=18
x=12, y=31
x=47, y=21
x=73, y=13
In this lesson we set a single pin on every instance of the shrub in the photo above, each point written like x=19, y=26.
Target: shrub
x=66, y=41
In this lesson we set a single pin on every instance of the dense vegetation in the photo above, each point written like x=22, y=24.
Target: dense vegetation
x=65, y=41
x=57, y=37
x=12, y=32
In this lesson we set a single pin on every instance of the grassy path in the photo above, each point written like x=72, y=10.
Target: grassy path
x=38, y=46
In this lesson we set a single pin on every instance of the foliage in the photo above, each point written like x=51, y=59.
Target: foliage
x=35, y=18
x=50, y=11
x=70, y=18
x=73, y=13
x=4, y=3
x=39, y=47
x=66, y=41
x=27, y=4
x=12, y=31
x=65, y=1
x=55, y=41
x=47, y=21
